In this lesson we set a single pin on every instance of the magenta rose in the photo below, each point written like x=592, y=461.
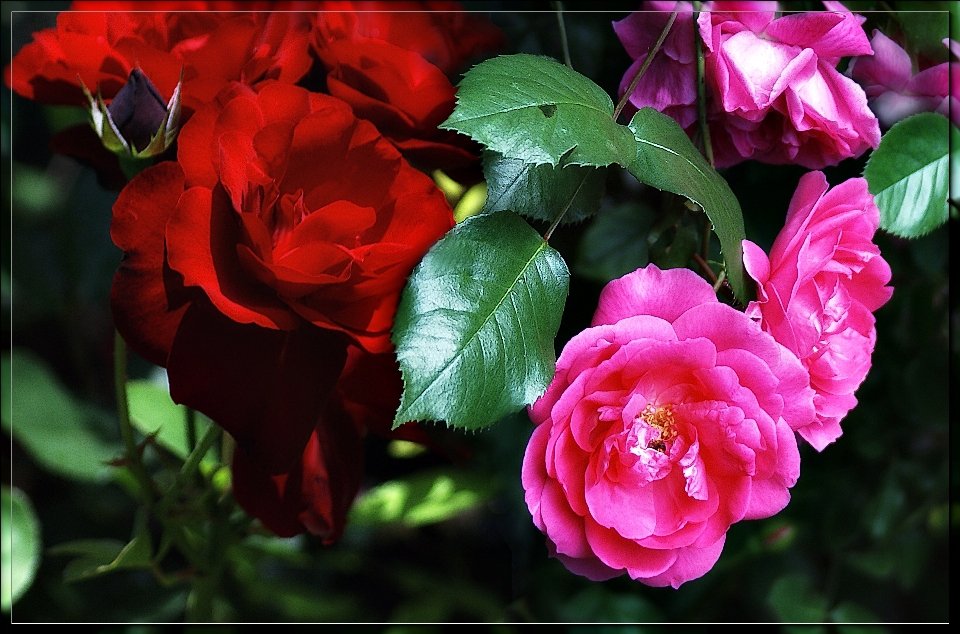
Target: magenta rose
x=818, y=290
x=668, y=420
x=894, y=91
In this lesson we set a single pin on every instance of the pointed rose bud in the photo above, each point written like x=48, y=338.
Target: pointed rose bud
x=136, y=123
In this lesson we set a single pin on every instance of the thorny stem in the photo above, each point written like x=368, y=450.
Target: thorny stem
x=189, y=467
x=702, y=88
x=563, y=212
x=563, y=35
x=705, y=268
x=134, y=458
x=646, y=63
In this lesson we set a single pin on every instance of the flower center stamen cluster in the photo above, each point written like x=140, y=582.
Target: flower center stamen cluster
x=659, y=419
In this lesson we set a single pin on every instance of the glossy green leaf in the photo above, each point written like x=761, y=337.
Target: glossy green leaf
x=52, y=426
x=542, y=191
x=667, y=159
x=152, y=411
x=475, y=327
x=21, y=545
x=909, y=175
x=421, y=498
x=539, y=111
x=615, y=243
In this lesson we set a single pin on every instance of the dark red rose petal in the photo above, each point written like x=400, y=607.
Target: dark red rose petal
x=147, y=297
x=317, y=492
x=267, y=388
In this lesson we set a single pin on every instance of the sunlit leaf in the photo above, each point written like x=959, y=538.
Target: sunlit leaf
x=909, y=175
x=542, y=191
x=21, y=545
x=425, y=497
x=667, y=159
x=152, y=411
x=52, y=426
x=539, y=111
x=475, y=327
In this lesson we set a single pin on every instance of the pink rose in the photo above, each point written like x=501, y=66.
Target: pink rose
x=773, y=91
x=668, y=420
x=776, y=85
x=818, y=290
x=894, y=91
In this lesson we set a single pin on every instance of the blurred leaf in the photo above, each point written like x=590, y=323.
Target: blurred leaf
x=884, y=510
x=421, y=498
x=597, y=603
x=793, y=601
x=21, y=545
x=615, y=243
x=475, y=327
x=100, y=556
x=153, y=411
x=667, y=159
x=852, y=612
x=925, y=27
x=52, y=426
x=909, y=175
x=542, y=191
x=36, y=194
x=539, y=111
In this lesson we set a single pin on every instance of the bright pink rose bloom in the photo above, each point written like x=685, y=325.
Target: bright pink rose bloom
x=818, y=290
x=668, y=420
x=894, y=91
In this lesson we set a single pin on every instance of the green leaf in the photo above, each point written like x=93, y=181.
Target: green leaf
x=475, y=326
x=615, y=243
x=421, y=498
x=99, y=556
x=794, y=602
x=21, y=545
x=908, y=175
x=542, y=191
x=152, y=411
x=667, y=159
x=539, y=111
x=925, y=26
x=52, y=426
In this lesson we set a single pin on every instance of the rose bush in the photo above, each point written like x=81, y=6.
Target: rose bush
x=818, y=290
x=774, y=94
x=287, y=228
x=668, y=420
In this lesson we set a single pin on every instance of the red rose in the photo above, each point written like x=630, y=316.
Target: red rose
x=212, y=49
x=285, y=221
x=391, y=84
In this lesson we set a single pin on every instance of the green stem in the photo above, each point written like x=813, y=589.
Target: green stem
x=563, y=35
x=191, y=424
x=546, y=236
x=646, y=64
x=189, y=467
x=134, y=458
x=702, y=88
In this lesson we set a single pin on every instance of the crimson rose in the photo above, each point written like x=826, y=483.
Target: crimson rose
x=287, y=227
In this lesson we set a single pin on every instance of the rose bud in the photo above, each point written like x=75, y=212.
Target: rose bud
x=137, y=122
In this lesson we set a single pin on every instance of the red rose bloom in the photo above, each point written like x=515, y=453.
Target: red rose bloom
x=285, y=221
x=392, y=84
x=211, y=48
